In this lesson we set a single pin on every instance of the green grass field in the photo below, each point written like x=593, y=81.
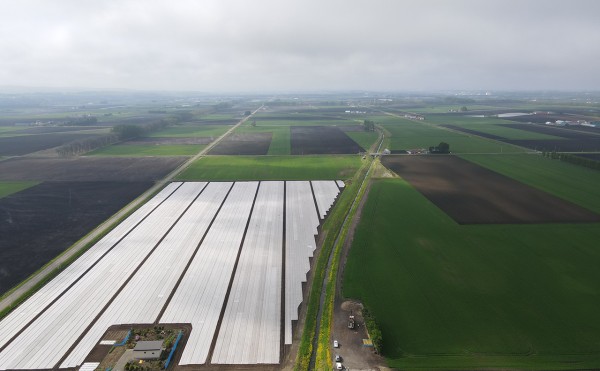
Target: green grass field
x=191, y=131
x=280, y=140
x=272, y=168
x=406, y=134
x=8, y=188
x=577, y=184
x=489, y=125
x=469, y=297
x=148, y=150
x=364, y=138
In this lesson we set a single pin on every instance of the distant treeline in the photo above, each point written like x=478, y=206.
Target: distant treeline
x=119, y=133
x=574, y=159
x=85, y=145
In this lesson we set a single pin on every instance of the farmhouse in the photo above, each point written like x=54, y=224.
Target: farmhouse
x=148, y=349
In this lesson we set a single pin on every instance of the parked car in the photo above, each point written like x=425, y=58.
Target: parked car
x=338, y=358
x=336, y=344
x=338, y=366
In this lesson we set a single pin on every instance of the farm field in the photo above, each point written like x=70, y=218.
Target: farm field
x=280, y=137
x=406, y=134
x=484, y=296
x=8, y=188
x=536, y=137
x=576, y=184
x=243, y=144
x=311, y=140
x=208, y=234
x=88, y=168
x=187, y=131
x=24, y=144
x=40, y=222
x=272, y=168
x=471, y=194
x=304, y=133
x=129, y=150
x=363, y=138
x=504, y=131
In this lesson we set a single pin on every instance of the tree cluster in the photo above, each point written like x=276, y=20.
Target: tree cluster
x=368, y=125
x=85, y=145
x=127, y=131
x=443, y=147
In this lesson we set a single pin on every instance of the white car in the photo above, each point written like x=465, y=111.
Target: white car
x=338, y=366
x=336, y=344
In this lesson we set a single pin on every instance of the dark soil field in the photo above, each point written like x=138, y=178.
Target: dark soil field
x=88, y=168
x=475, y=132
x=471, y=194
x=39, y=223
x=169, y=140
x=244, y=144
x=575, y=141
x=314, y=140
x=22, y=145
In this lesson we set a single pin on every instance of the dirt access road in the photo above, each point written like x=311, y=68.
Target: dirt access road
x=16, y=293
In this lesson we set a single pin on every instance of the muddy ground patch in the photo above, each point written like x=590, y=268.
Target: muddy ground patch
x=471, y=194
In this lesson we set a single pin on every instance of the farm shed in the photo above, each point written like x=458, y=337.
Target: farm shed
x=147, y=349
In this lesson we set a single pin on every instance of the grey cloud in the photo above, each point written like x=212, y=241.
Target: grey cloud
x=287, y=45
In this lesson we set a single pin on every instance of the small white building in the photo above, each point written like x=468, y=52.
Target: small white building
x=148, y=349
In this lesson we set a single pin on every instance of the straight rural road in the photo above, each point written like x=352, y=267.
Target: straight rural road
x=40, y=275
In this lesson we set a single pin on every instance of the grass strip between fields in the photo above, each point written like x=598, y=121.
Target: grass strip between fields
x=9, y=187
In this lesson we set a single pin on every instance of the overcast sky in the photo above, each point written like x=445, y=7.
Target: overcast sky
x=279, y=45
